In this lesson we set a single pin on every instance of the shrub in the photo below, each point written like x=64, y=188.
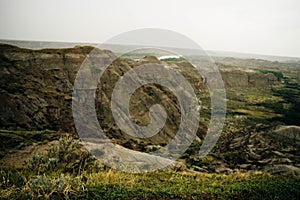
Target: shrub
x=278, y=74
x=65, y=156
x=44, y=187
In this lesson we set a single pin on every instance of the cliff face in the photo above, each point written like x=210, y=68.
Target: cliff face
x=36, y=87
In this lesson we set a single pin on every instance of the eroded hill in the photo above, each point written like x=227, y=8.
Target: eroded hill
x=36, y=94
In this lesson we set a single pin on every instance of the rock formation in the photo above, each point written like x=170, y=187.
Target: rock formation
x=247, y=78
x=37, y=85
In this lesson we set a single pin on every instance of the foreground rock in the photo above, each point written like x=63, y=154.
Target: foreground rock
x=274, y=151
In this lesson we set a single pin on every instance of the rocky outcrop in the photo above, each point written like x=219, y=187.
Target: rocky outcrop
x=275, y=151
x=289, y=133
x=286, y=170
x=37, y=85
x=247, y=78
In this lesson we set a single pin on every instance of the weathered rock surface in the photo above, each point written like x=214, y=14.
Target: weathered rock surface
x=246, y=78
x=37, y=85
x=286, y=170
x=274, y=151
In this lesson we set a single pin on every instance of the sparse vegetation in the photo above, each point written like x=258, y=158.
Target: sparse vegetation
x=67, y=156
x=291, y=96
x=57, y=183
x=174, y=59
x=48, y=177
x=159, y=185
x=278, y=74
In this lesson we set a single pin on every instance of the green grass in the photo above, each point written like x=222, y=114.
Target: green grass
x=154, y=185
x=280, y=103
x=254, y=103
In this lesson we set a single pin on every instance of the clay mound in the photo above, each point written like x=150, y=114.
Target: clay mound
x=37, y=87
x=291, y=132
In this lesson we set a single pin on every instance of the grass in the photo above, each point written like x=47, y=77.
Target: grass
x=184, y=185
x=31, y=182
x=254, y=103
x=258, y=114
x=280, y=103
x=111, y=184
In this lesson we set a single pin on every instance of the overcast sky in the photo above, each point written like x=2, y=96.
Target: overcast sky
x=269, y=27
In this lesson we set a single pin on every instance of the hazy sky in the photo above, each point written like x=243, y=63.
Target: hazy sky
x=253, y=26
